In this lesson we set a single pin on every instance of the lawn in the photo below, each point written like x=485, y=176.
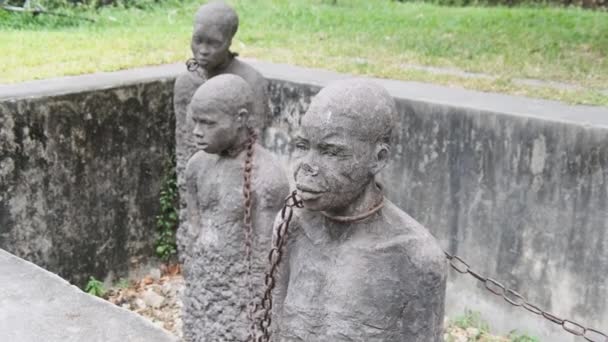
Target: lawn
x=380, y=38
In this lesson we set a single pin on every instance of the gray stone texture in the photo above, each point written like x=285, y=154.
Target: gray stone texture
x=80, y=176
x=469, y=166
x=40, y=306
x=211, y=241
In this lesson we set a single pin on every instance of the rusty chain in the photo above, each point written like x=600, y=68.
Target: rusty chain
x=192, y=64
x=514, y=298
x=248, y=222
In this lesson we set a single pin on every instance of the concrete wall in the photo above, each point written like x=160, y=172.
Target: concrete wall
x=80, y=172
x=518, y=187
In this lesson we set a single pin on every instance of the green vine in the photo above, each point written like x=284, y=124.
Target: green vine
x=167, y=221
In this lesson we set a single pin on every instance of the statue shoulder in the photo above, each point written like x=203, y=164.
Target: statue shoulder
x=198, y=162
x=408, y=238
x=186, y=84
x=248, y=73
x=271, y=173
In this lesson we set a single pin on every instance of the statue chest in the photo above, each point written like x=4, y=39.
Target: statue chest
x=220, y=205
x=340, y=290
x=220, y=189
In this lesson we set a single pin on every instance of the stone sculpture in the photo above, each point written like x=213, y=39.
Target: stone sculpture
x=212, y=241
x=356, y=268
x=215, y=24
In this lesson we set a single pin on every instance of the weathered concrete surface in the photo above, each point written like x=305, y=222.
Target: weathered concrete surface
x=80, y=172
x=40, y=306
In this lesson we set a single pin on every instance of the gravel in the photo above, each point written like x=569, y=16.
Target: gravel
x=157, y=297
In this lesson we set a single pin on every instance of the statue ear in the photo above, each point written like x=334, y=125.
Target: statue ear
x=243, y=117
x=382, y=154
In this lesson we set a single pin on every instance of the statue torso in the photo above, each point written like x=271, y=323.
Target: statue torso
x=220, y=198
x=216, y=291
x=361, y=286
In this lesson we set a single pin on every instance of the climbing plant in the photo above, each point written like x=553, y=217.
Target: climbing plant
x=167, y=220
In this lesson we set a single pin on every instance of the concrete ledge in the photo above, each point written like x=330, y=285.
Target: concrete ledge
x=414, y=91
x=37, y=305
x=89, y=82
x=452, y=97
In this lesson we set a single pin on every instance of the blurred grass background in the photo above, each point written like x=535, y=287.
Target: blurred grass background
x=380, y=38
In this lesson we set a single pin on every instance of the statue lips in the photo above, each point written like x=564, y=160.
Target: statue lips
x=309, y=193
x=203, y=62
x=201, y=145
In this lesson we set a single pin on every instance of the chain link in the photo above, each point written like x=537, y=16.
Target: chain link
x=192, y=64
x=248, y=222
x=514, y=298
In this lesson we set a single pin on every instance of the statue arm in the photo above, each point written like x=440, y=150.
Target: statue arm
x=272, y=189
x=427, y=306
x=180, y=103
x=282, y=281
x=261, y=106
x=186, y=233
x=183, y=90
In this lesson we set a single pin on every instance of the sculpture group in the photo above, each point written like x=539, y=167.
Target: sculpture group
x=354, y=267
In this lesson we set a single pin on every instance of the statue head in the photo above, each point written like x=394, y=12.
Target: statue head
x=220, y=111
x=215, y=24
x=343, y=142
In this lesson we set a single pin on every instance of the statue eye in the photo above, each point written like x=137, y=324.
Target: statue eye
x=300, y=145
x=215, y=43
x=332, y=152
x=207, y=123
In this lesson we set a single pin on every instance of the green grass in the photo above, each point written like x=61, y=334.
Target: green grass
x=472, y=326
x=378, y=38
x=471, y=319
x=515, y=337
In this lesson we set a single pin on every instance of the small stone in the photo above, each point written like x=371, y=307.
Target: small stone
x=139, y=304
x=472, y=332
x=159, y=324
x=152, y=299
x=155, y=274
x=169, y=289
x=157, y=288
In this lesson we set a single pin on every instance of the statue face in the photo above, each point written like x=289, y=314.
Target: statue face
x=210, y=44
x=214, y=130
x=331, y=164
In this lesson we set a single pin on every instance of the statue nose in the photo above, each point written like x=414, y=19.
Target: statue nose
x=313, y=171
